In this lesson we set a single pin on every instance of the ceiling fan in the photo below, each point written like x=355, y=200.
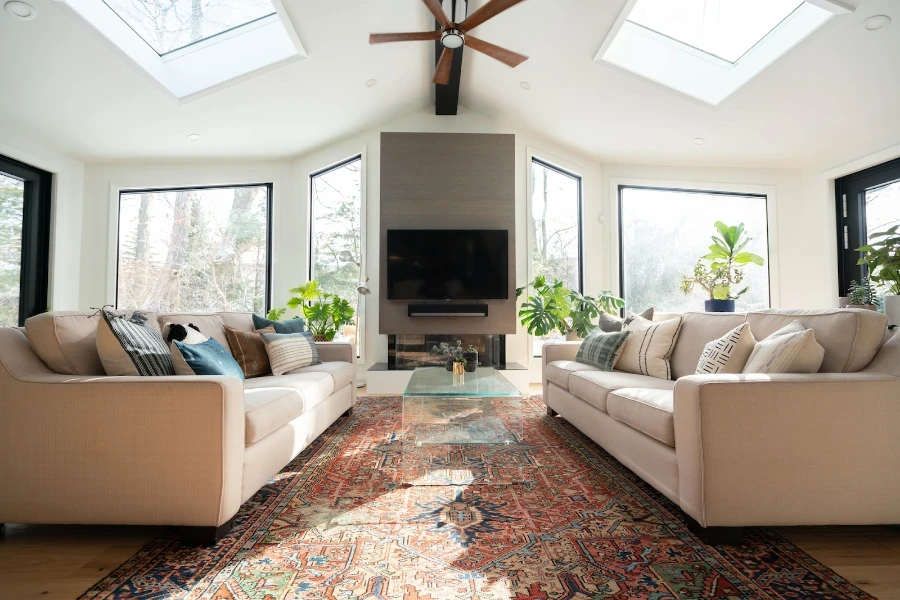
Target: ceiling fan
x=455, y=35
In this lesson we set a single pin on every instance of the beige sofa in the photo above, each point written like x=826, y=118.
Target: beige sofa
x=742, y=450
x=77, y=446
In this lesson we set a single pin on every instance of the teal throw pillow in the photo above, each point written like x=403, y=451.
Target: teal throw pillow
x=209, y=358
x=297, y=325
x=601, y=349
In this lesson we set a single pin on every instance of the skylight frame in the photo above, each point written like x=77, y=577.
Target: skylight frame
x=201, y=67
x=699, y=74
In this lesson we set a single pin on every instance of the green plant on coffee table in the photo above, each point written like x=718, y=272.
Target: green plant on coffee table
x=882, y=257
x=554, y=307
x=723, y=268
x=862, y=294
x=325, y=313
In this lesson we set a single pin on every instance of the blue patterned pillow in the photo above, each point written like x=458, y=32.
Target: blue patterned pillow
x=602, y=349
x=209, y=358
x=297, y=325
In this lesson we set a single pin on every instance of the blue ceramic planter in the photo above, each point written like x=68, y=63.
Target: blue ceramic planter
x=719, y=306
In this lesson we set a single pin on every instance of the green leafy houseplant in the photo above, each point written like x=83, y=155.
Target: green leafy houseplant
x=862, y=294
x=554, y=307
x=723, y=268
x=883, y=259
x=325, y=313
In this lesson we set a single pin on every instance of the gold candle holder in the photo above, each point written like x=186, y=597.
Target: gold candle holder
x=459, y=368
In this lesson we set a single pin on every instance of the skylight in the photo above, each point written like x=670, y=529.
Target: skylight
x=723, y=28
x=708, y=49
x=189, y=46
x=168, y=25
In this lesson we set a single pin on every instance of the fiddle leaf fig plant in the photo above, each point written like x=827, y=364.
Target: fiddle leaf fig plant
x=554, y=307
x=325, y=313
x=723, y=267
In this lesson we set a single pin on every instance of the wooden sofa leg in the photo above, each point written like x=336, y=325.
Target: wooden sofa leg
x=551, y=412
x=205, y=536
x=716, y=536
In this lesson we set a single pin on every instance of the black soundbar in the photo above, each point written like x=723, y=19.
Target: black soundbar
x=448, y=310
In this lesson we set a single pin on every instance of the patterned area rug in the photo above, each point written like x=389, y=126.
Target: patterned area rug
x=337, y=523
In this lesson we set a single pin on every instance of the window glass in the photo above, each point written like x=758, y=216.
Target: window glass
x=194, y=250
x=555, y=230
x=12, y=206
x=664, y=233
x=336, y=235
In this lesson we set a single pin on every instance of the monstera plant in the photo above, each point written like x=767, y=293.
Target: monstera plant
x=554, y=307
x=719, y=271
x=325, y=313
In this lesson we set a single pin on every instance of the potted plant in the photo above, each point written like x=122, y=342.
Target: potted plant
x=862, y=295
x=882, y=257
x=554, y=307
x=449, y=352
x=325, y=313
x=459, y=365
x=723, y=268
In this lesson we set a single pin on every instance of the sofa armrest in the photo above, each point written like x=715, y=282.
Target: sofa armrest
x=120, y=450
x=559, y=351
x=788, y=449
x=336, y=351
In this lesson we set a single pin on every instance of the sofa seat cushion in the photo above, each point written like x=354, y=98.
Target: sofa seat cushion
x=341, y=372
x=647, y=410
x=559, y=371
x=270, y=402
x=594, y=386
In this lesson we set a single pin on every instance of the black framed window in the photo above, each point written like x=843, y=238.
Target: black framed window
x=195, y=249
x=867, y=202
x=24, y=241
x=336, y=236
x=556, y=230
x=662, y=234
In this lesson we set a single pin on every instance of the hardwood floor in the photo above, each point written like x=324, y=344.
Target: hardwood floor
x=61, y=562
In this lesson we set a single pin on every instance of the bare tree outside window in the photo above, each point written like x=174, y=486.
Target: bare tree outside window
x=555, y=230
x=194, y=250
x=336, y=235
x=12, y=206
x=664, y=232
x=167, y=25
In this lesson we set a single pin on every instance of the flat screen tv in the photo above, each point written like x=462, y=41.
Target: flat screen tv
x=447, y=264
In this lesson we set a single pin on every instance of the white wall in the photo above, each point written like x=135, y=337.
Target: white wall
x=101, y=191
x=66, y=212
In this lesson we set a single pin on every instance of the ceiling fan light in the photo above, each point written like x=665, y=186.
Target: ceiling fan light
x=453, y=39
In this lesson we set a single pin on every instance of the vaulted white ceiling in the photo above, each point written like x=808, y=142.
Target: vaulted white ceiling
x=831, y=98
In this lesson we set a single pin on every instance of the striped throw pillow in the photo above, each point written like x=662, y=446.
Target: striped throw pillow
x=729, y=353
x=648, y=348
x=289, y=351
x=144, y=347
x=602, y=349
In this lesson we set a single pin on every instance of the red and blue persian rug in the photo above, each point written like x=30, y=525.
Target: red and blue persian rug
x=338, y=523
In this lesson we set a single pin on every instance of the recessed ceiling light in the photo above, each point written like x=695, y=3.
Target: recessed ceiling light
x=193, y=137
x=371, y=83
x=699, y=141
x=525, y=85
x=877, y=22
x=20, y=10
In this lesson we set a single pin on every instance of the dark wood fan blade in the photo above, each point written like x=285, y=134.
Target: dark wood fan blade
x=423, y=36
x=438, y=11
x=508, y=57
x=488, y=11
x=442, y=71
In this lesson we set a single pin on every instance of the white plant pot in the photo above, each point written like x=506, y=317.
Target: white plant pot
x=892, y=308
x=572, y=336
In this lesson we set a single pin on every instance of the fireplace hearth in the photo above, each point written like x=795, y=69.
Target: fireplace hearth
x=410, y=350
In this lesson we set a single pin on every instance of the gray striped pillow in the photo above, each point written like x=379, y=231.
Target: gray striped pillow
x=289, y=351
x=143, y=345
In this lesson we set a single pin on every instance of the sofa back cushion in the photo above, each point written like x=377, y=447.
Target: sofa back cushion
x=209, y=324
x=242, y=321
x=851, y=337
x=66, y=341
x=697, y=330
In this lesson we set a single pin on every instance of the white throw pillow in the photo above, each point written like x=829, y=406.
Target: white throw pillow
x=649, y=346
x=192, y=336
x=289, y=351
x=729, y=353
x=791, y=349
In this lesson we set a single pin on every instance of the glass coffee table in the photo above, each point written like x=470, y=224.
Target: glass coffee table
x=462, y=429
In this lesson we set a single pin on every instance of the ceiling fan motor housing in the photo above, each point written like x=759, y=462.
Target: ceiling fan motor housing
x=453, y=38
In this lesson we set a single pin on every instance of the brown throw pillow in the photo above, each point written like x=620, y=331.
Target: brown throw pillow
x=249, y=350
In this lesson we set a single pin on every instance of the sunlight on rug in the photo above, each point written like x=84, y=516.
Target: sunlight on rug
x=338, y=523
